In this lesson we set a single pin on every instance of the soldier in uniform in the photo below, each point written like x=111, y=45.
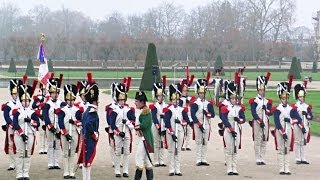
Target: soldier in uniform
x=232, y=116
x=260, y=111
x=90, y=133
x=8, y=109
x=218, y=84
x=201, y=113
x=145, y=144
x=242, y=83
x=122, y=119
x=25, y=122
x=109, y=108
x=38, y=103
x=158, y=128
x=49, y=112
x=175, y=117
x=69, y=120
x=185, y=103
x=301, y=139
x=284, y=115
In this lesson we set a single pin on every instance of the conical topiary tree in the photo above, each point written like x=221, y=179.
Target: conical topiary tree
x=50, y=66
x=314, y=67
x=150, y=65
x=299, y=65
x=30, y=69
x=294, y=69
x=218, y=64
x=12, y=66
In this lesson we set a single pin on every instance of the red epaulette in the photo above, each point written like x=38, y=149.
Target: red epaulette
x=107, y=107
x=251, y=101
x=211, y=102
x=151, y=106
x=192, y=100
x=270, y=101
x=219, y=104
x=294, y=106
x=166, y=109
x=224, y=110
x=37, y=112
x=132, y=109
x=14, y=111
x=310, y=106
x=35, y=98
x=3, y=106
x=243, y=108
x=186, y=109
x=274, y=108
x=77, y=104
x=57, y=111
x=126, y=105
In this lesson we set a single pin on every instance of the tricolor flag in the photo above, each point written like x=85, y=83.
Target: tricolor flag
x=43, y=74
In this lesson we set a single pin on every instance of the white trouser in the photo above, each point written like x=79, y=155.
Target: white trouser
x=231, y=156
x=201, y=149
x=69, y=161
x=141, y=156
x=158, y=151
x=174, y=160
x=283, y=159
x=119, y=143
x=86, y=173
x=53, y=154
x=187, y=136
x=299, y=147
x=22, y=162
x=111, y=151
x=11, y=154
x=43, y=138
x=260, y=145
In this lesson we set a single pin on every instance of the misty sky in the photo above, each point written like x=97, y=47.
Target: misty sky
x=98, y=9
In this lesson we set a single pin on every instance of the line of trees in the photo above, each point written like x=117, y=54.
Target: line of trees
x=238, y=30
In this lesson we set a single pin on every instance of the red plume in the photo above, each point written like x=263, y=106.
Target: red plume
x=128, y=82
x=78, y=85
x=52, y=75
x=208, y=77
x=34, y=85
x=124, y=80
x=24, y=79
x=190, y=81
x=89, y=76
x=236, y=78
x=305, y=82
x=164, y=81
x=268, y=76
x=60, y=79
x=290, y=80
x=187, y=73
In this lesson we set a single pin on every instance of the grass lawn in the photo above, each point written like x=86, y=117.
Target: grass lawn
x=275, y=76
x=311, y=99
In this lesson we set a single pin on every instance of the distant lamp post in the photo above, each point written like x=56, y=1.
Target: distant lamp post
x=317, y=38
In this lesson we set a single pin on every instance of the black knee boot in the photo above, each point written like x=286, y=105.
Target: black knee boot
x=149, y=173
x=138, y=174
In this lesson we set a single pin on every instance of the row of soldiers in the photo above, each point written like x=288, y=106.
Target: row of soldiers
x=71, y=126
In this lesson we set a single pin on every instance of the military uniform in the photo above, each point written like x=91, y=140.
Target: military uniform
x=50, y=111
x=242, y=83
x=145, y=141
x=260, y=111
x=305, y=112
x=284, y=115
x=232, y=117
x=217, y=82
x=90, y=130
x=38, y=104
x=69, y=120
x=201, y=113
x=25, y=122
x=158, y=127
x=122, y=119
x=185, y=103
x=9, y=109
x=175, y=117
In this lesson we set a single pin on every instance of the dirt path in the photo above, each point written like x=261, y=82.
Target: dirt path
x=102, y=168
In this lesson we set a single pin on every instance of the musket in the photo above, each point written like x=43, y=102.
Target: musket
x=69, y=142
x=176, y=140
x=26, y=142
x=263, y=111
x=123, y=130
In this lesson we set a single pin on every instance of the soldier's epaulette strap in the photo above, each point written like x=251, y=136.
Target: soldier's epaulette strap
x=35, y=98
x=77, y=104
x=186, y=109
x=81, y=109
x=211, y=102
x=92, y=110
x=3, y=106
x=224, y=110
x=270, y=101
x=166, y=109
x=192, y=100
x=107, y=108
x=145, y=111
x=251, y=101
x=14, y=111
x=132, y=109
x=126, y=105
x=37, y=112
x=310, y=106
x=243, y=108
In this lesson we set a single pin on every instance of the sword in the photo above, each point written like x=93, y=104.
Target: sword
x=70, y=133
x=26, y=142
x=176, y=143
x=123, y=130
x=145, y=147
